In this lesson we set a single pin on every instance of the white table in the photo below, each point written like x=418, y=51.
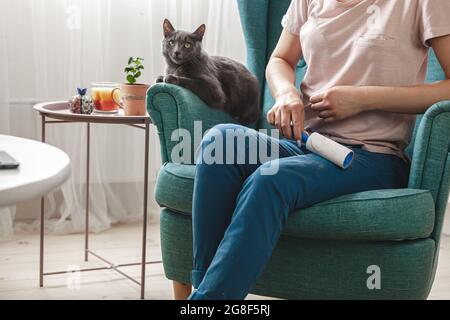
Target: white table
x=43, y=168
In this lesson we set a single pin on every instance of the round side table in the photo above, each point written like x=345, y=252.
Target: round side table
x=59, y=113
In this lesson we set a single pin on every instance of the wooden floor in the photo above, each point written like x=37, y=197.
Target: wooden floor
x=121, y=244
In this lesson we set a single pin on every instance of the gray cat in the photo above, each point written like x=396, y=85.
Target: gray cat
x=220, y=82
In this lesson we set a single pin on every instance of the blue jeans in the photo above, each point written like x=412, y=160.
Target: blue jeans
x=239, y=213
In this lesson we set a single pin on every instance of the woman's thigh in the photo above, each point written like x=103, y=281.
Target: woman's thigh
x=239, y=146
x=308, y=179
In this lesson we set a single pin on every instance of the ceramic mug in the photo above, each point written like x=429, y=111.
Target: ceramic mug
x=132, y=98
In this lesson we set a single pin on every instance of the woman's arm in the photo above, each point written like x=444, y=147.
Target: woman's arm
x=288, y=112
x=344, y=101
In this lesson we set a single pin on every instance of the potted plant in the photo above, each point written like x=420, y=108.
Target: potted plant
x=133, y=94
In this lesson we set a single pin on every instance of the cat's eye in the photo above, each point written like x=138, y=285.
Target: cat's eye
x=188, y=45
x=171, y=43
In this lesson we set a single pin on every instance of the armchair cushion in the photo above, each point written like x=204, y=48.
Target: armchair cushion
x=380, y=215
x=174, y=187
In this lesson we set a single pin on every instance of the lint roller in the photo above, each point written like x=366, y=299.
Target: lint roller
x=328, y=149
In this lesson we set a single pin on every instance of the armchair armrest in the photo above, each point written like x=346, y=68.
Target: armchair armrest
x=431, y=145
x=176, y=111
x=430, y=167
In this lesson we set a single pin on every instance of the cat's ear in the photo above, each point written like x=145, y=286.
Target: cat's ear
x=200, y=32
x=168, y=28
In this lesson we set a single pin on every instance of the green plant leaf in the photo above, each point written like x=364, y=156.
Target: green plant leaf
x=133, y=69
x=131, y=79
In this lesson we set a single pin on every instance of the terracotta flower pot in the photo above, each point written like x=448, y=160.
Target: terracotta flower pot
x=132, y=99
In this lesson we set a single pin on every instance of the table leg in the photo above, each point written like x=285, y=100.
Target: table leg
x=86, y=228
x=42, y=226
x=144, y=222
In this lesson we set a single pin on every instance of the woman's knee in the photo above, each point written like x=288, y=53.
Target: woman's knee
x=227, y=127
x=221, y=143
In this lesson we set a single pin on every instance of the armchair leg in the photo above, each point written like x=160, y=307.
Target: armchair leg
x=181, y=291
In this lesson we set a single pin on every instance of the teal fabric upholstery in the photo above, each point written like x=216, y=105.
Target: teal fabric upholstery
x=325, y=250
x=374, y=215
x=174, y=187
x=317, y=269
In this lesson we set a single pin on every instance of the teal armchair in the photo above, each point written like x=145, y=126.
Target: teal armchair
x=327, y=251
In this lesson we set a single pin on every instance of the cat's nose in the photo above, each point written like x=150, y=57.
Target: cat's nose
x=177, y=53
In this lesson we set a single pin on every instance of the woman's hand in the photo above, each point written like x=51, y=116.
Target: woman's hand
x=338, y=103
x=288, y=115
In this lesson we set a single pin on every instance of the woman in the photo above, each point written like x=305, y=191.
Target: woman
x=365, y=81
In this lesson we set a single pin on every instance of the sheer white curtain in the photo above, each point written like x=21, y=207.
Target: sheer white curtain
x=6, y=214
x=48, y=48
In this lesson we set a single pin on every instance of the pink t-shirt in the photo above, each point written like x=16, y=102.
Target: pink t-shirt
x=366, y=43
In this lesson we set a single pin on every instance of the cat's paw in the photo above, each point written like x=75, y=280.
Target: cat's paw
x=171, y=79
x=160, y=79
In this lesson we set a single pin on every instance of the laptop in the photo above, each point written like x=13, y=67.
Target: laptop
x=7, y=162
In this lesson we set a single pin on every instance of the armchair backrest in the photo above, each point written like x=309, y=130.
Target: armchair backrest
x=429, y=149
x=261, y=24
